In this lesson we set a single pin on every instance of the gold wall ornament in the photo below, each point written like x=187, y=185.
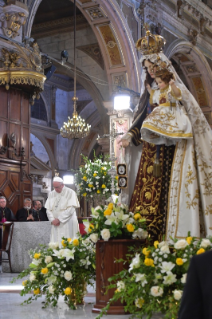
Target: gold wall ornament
x=30, y=78
x=10, y=58
x=13, y=23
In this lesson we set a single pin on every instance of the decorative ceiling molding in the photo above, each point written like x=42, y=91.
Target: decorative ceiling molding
x=48, y=28
x=95, y=13
x=93, y=50
x=111, y=45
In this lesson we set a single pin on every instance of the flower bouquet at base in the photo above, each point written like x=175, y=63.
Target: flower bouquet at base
x=114, y=221
x=93, y=179
x=155, y=279
x=56, y=271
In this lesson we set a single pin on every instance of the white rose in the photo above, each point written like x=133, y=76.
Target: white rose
x=183, y=279
x=177, y=294
x=105, y=233
x=163, y=243
x=53, y=245
x=205, y=243
x=51, y=289
x=181, y=244
x=68, y=275
x=156, y=291
x=120, y=285
x=48, y=259
x=32, y=277
x=94, y=237
x=165, y=249
x=36, y=261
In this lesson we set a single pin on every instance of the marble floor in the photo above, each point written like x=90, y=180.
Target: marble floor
x=11, y=308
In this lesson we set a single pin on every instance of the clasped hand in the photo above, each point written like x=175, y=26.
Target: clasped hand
x=55, y=222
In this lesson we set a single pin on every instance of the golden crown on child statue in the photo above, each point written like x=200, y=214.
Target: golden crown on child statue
x=151, y=43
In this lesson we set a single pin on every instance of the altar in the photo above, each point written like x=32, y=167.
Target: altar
x=26, y=236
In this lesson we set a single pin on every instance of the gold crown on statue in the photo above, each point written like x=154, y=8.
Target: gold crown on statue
x=151, y=43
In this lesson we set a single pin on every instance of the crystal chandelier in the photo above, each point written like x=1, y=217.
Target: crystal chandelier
x=76, y=127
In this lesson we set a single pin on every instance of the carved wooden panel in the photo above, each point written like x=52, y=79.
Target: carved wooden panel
x=25, y=110
x=3, y=134
x=3, y=178
x=4, y=101
x=15, y=184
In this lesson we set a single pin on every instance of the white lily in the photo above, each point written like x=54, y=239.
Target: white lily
x=68, y=254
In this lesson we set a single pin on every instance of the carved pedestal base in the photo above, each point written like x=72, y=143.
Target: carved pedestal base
x=106, y=253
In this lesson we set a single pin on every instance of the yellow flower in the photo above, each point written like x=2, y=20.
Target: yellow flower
x=98, y=192
x=156, y=243
x=84, y=178
x=84, y=194
x=37, y=256
x=116, y=177
x=90, y=185
x=103, y=186
x=110, y=205
x=69, y=240
x=103, y=168
x=90, y=228
x=130, y=228
x=137, y=216
x=200, y=251
x=149, y=262
x=148, y=195
x=94, y=175
x=76, y=242
x=36, y=291
x=107, y=212
x=179, y=261
x=139, y=302
x=44, y=271
x=63, y=243
x=146, y=252
x=68, y=291
x=189, y=239
x=105, y=173
x=24, y=283
x=150, y=169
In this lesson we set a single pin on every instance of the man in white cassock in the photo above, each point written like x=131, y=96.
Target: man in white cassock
x=61, y=212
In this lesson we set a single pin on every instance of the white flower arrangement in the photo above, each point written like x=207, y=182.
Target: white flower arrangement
x=93, y=178
x=156, y=276
x=60, y=271
x=114, y=221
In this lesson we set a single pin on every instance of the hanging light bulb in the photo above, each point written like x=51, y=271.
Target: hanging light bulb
x=76, y=126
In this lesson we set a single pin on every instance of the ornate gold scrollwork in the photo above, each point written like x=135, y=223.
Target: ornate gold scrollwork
x=14, y=22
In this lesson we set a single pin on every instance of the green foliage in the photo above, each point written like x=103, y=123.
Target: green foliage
x=155, y=279
x=58, y=271
x=93, y=178
x=114, y=221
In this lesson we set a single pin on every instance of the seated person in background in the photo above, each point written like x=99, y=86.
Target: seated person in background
x=27, y=213
x=5, y=215
x=40, y=211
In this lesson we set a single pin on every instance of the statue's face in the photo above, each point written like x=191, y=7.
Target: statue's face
x=58, y=187
x=149, y=66
x=2, y=203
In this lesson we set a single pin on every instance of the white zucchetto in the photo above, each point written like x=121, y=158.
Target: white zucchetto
x=57, y=179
